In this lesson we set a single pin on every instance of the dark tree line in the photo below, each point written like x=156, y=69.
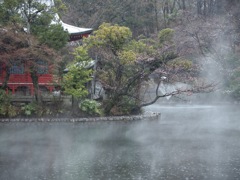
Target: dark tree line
x=141, y=16
x=203, y=28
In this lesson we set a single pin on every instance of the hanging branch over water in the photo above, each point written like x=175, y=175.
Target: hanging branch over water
x=202, y=88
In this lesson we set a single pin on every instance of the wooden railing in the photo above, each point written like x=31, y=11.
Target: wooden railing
x=45, y=98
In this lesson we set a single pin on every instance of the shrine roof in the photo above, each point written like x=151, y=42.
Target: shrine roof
x=74, y=29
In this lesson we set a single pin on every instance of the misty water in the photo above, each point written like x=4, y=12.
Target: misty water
x=188, y=142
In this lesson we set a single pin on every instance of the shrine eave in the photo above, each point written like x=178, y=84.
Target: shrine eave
x=82, y=32
x=76, y=33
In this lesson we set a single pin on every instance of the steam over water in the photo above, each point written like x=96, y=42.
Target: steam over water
x=189, y=142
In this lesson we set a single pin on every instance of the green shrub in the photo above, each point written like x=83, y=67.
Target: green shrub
x=29, y=109
x=12, y=111
x=4, y=97
x=6, y=109
x=91, y=107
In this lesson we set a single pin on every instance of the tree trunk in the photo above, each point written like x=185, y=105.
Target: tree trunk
x=110, y=104
x=34, y=77
x=199, y=7
x=173, y=6
x=156, y=15
x=205, y=8
x=211, y=7
x=6, y=78
x=183, y=5
x=109, y=107
x=75, y=105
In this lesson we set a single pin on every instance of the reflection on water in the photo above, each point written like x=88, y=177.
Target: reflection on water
x=189, y=142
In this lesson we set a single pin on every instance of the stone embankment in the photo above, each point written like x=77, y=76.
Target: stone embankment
x=146, y=116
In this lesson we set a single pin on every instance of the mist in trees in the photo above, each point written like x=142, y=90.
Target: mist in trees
x=124, y=64
x=205, y=32
x=175, y=39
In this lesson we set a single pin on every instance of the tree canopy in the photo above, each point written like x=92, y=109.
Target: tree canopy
x=29, y=37
x=35, y=17
x=124, y=64
x=78, y=74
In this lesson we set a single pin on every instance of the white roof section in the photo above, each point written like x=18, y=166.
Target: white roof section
x=73, y=29
x=69, y=28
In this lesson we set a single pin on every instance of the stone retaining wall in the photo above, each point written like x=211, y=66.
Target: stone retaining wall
x=152, y=116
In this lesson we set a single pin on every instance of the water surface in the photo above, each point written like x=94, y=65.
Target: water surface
x=189, y=142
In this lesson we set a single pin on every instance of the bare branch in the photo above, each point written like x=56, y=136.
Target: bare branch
x=204, y=88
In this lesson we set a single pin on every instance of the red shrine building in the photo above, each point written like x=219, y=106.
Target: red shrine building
x=20, y=81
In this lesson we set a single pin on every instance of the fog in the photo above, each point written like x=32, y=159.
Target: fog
x=196, y=137
x=187, y=142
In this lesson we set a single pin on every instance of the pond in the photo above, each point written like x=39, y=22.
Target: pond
x=189, y=142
